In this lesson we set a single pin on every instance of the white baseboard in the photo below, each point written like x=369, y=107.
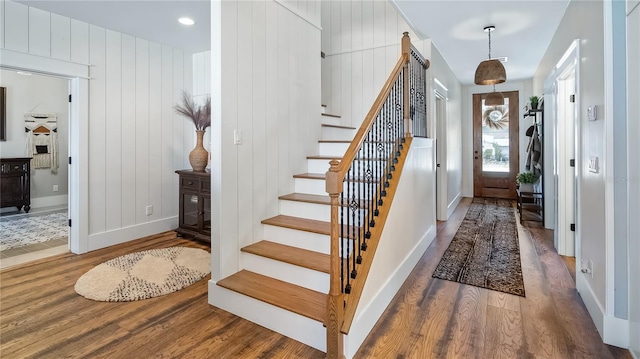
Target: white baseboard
x=595, y=309
x=122, y=235
x=454, y=204
x=612, y=330
x=50, y=201
x=616, y=331
x=368, y=317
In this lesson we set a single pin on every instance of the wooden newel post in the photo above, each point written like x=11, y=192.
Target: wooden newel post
x=335, y=306
x=406, y=51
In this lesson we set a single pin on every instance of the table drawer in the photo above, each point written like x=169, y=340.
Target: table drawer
x=190, y=182
x=12, y=167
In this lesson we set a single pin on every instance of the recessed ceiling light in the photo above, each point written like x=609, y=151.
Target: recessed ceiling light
x=23, y=73
x=186, y=21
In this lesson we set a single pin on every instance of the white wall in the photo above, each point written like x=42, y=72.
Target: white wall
x=633, y=173
x=202, y=88
x=584, y=20
x=452, y=168
x=410, y=228
x=524, y=91
x=135, y=140
x=265, y=83
x=361, y=41
x=41, y=94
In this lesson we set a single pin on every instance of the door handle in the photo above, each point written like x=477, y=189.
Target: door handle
x=476, y=157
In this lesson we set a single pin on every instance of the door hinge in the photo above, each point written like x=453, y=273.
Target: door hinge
x=69, y=222
x=572, y=162
x=572, y=98
x=573, y=227
x=69, y=159
x=69, y=97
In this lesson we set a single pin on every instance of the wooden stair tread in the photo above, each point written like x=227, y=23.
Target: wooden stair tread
x=339, y=158
x=302, y=224
x=292, y=255
x=305, y=197
x=307, y=225
x=323, y=176
x=313, y=198
x=303, y=301
x=318, y=176
x=334, y=141
x=338, y=126
x=330, y=115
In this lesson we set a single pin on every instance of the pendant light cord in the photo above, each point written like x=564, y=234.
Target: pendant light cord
x=489, y=44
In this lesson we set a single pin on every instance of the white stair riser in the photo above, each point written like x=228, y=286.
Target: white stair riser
x=322, y=166
x=317, y=166
x=292, y=325
x=319, y=212
x=335, y=133
x=316, y=186
x=332, y=149
x=330, y=120
x=339, y=149
x=295, y=238
x=303, y=277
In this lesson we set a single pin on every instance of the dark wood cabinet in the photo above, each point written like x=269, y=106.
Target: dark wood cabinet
x=15, y=183
x=194, y=215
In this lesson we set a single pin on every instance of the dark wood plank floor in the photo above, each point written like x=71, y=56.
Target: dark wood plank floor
x=41, y=316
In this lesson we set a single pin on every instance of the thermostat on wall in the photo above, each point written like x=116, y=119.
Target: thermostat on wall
x=592, y=113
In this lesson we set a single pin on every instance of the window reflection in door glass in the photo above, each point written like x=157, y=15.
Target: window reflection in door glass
x=495, y=137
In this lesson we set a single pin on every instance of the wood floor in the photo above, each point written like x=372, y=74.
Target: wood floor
x=41, y=316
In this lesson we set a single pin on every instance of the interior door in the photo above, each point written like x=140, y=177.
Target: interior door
x=495, y=147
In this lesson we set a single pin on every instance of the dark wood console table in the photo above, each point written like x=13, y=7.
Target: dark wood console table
x=194, y=215
x=15, y=183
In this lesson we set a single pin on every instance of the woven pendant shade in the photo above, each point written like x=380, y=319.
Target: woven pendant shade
x=494, y=99
x=490, y=72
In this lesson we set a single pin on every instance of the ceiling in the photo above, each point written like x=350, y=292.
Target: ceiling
x=156, y=21
x=524, y=28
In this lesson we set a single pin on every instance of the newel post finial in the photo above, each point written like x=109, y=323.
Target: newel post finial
x=406, y=43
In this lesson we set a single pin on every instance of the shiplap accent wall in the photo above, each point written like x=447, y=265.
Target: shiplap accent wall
x=269, y=53
x=361, y=40
x=136, y=141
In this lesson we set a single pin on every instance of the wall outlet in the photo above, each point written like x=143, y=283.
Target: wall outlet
x=586, y=267
x=55, y=188
x=149, y=210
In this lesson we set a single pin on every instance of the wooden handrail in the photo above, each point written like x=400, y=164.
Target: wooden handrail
x=360, y=136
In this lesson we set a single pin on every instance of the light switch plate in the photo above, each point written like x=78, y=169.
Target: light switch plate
x=237, y=137
x=593, y=164
x=592, y=113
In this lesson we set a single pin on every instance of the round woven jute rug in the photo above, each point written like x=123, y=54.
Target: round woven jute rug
x=143, y=275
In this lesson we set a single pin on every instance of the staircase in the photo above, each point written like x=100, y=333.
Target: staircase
x=288, y=271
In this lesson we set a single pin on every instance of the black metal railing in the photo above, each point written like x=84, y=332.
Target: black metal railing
x=418, y=93
x=367, y=180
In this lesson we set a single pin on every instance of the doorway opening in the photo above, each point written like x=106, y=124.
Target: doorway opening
x=495, y=147
x=441, y=157
x=37, y=128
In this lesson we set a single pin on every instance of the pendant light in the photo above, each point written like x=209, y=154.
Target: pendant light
x=490, y=72
x=494, y=98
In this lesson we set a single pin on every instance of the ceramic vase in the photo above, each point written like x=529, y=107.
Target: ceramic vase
x=199, y=157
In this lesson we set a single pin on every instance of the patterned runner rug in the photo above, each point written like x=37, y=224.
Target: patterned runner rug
x=31, y=229
x=143, y=275
x=485, y=251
